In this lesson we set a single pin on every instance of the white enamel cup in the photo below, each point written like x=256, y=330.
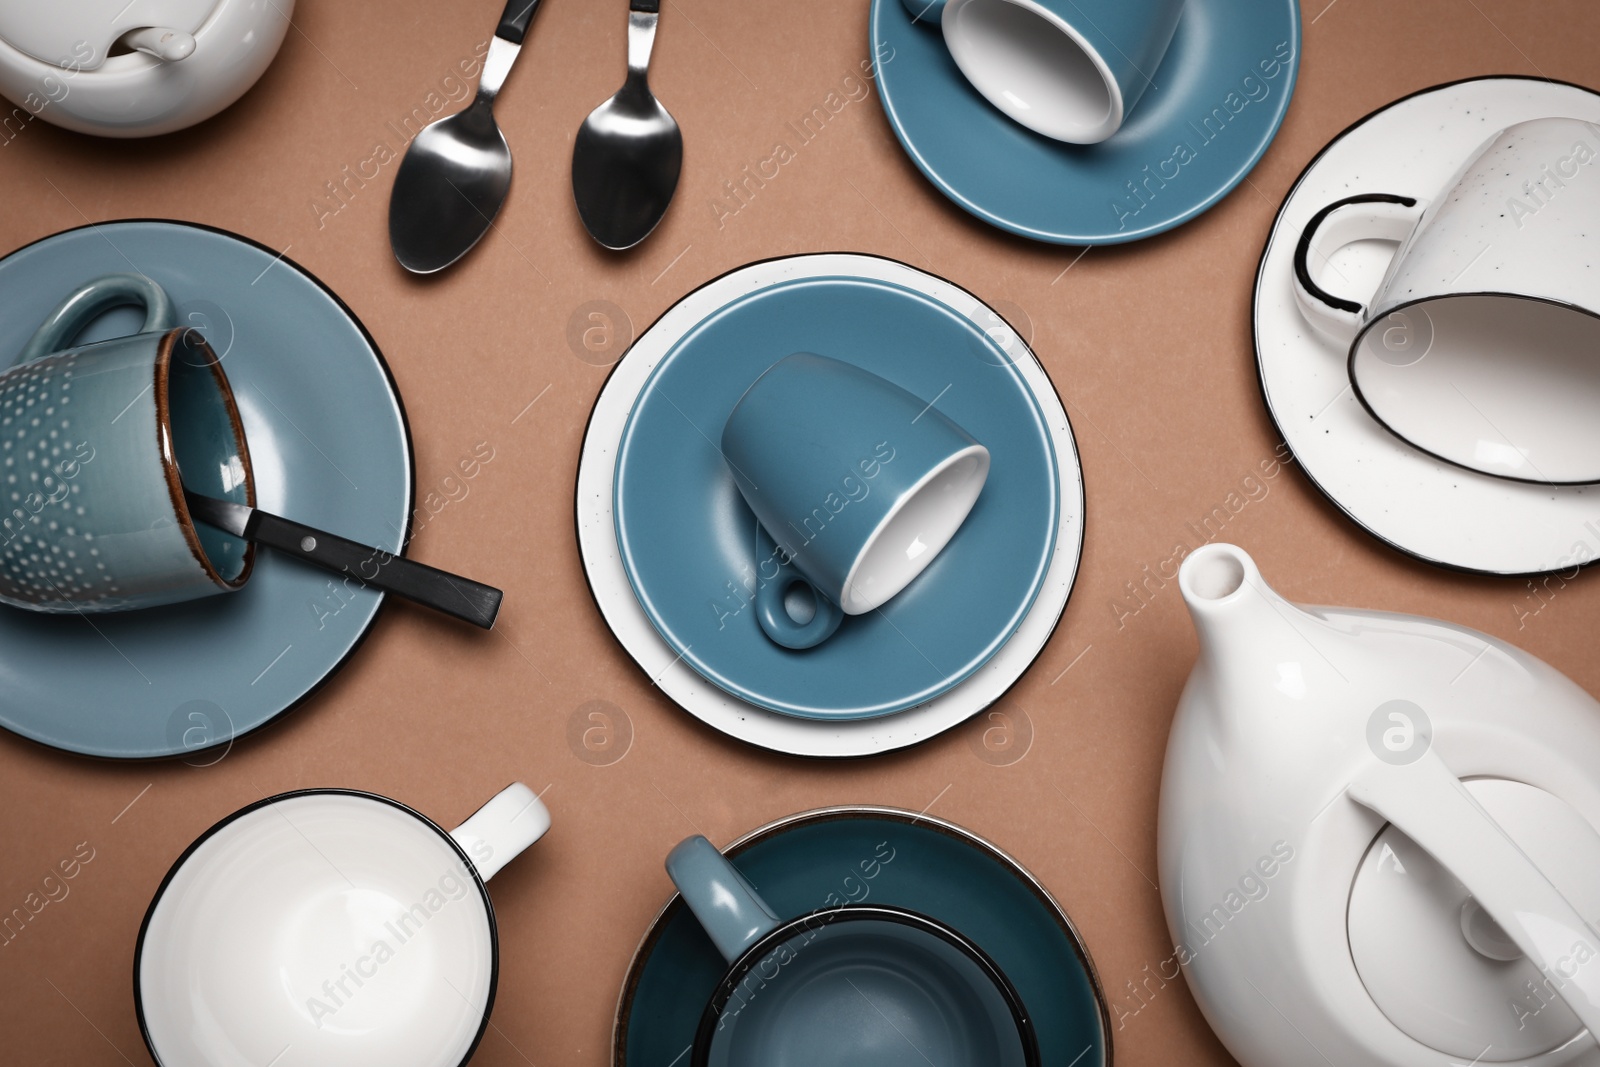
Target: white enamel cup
x=1481, y=345
x=341, y=926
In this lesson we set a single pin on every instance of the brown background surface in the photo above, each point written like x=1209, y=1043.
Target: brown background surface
x=1149, y=346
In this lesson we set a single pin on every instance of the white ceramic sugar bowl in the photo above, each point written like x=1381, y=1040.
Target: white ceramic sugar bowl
x=117, y=69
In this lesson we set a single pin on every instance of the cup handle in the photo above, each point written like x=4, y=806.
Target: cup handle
x=774, y=617
x=1431, y=806
x=102, y=294
x=1375, y=216
x=497, y=832
x=728, y=907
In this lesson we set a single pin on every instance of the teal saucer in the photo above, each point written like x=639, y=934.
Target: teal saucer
x=691, y=547
x=1214, y=105
x=330, y=447
x=844, y=855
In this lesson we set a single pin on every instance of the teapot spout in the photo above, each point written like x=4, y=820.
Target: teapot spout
x=1248, y=633
x=1228, y=599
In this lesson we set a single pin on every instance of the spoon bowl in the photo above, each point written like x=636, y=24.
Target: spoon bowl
x=457, y=171
x=629, y=151
x=449, y=188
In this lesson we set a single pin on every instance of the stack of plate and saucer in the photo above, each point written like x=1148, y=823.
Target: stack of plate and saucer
x=671, y=549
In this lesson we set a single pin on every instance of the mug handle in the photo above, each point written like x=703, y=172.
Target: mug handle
x=1429, y=804
x=93, y=297
x=1367, y=216
x=776, y=621
x=497, y=833
x=728, y=907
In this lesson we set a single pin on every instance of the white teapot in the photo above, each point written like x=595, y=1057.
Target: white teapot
x=1378, y=836
x=117, y=69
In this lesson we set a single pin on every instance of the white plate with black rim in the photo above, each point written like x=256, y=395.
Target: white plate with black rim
x=667, y=668
x=1435, y=511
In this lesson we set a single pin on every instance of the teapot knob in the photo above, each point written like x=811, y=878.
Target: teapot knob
x=165, y=44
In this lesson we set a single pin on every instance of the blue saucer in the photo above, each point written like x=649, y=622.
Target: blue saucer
x=691, y=546
x=865, y=855
x=1166, y=165
x=330, y=447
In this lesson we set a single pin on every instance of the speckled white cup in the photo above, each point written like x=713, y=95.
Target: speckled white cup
x=1481, y=346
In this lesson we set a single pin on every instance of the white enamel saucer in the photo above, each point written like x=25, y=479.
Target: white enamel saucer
x=597, y=538
x=1422, y=506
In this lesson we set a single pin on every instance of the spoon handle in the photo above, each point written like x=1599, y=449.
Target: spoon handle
x=455, y=596
x=451, y=594
x=515, y=19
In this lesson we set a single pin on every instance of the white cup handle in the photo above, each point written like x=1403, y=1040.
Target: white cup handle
x=497, y=832
x=1368, y=216
x=1428, y=803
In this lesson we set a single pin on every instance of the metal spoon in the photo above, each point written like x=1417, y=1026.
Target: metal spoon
x=629, y=150
x=456, y=173
x=440, y=590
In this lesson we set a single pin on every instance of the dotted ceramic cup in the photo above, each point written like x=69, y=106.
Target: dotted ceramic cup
x=91, y=442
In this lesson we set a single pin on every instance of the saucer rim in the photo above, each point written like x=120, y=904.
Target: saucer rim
x=836, y=749
x=747, y=692
x=838, y=813
x=972, y=208
x=220, y=824
x=1260, y=369
x=380, y=608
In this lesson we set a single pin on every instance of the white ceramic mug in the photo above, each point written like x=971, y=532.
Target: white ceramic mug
x=1481, y=345
x=343, y=926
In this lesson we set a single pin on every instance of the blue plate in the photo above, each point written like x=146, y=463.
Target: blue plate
x=861, y=855
x=1198, y=130
x=690, y=546
x=330, y=447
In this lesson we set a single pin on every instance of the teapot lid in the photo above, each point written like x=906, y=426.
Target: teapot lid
x=81, y=33
x=1434, y=962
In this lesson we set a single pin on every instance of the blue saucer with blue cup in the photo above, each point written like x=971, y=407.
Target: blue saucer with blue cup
x=327, y=443
x=1084, y=122
x=885, y=366
x=846, y=985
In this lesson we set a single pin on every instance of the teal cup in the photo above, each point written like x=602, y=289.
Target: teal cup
x=843, y=986
x=859, y=483
x=92, y=439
